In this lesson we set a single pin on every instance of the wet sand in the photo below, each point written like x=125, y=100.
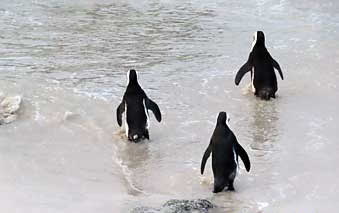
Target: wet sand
x=65, y=152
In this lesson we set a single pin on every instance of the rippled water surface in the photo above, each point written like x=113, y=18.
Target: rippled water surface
x=69, y=60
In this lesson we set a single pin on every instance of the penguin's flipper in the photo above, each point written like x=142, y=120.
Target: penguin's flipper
x=120, y=110
x=277, y=66
x=154, y=107
x=205, y=157
x=243, y=70
x=243, y=155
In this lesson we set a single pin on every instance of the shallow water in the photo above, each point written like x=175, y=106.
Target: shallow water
x=66, y=153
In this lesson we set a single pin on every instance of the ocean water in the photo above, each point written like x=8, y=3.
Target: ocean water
x=68, y=60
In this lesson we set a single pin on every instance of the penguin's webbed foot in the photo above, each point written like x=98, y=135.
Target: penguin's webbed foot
x=146, y=134
x=230, y=186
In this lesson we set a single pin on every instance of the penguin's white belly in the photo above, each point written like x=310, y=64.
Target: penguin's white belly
x=252, y=80
x=147, y=116
x=126, y=124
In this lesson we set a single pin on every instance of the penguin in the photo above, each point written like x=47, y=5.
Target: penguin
x=225, y=150
x=136, y=104
x=261, y=64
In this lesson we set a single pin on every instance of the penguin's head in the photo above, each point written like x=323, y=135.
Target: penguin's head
x=223, y=119
x=258, y=39
x=132, y=76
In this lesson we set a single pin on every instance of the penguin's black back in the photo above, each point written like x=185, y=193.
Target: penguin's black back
x=264, y=75
x=136, y=114
x=223, y=155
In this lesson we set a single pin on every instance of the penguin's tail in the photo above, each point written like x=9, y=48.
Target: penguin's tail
x=135, y=138
x=266, y=93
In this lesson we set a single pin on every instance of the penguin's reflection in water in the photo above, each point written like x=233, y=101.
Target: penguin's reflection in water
x=264, y=129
